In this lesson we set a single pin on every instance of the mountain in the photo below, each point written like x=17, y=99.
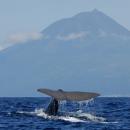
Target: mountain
x=87, y=52
x=93, y=23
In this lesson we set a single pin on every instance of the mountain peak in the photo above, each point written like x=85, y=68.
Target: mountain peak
x=92, y=21
x=89, y=13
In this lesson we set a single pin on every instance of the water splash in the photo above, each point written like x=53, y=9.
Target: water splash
x=85, y=104
x=80, y=105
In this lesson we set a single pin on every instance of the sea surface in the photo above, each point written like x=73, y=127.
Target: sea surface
x=103, y=113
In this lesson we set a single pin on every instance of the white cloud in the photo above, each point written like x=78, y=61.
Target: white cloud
x=24, y=37
x=72, y=36
x=20, y=38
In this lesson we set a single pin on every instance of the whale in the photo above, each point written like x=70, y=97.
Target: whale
x=60, y=95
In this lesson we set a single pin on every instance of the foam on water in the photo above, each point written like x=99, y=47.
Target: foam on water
x=78, y=116
x=91, y=117
x=70, y=119
x=41, y=113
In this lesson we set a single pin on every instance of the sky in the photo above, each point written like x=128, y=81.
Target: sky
x=26, y=18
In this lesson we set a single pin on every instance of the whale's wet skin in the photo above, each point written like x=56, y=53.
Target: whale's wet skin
x=98, y=114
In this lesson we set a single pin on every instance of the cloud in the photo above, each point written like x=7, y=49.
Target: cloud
x=24, y=37
x=72, y=36
x=20, y=38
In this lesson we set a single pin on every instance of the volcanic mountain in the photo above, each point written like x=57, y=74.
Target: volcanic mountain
x=89, y=51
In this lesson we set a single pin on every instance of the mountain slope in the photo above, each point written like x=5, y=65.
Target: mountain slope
x=89, y=51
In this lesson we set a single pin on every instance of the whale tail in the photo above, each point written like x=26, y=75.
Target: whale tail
x=66, y=95
x=59, y=95
x=52, y=108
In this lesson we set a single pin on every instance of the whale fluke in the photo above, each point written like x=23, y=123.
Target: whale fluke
x=70, y=96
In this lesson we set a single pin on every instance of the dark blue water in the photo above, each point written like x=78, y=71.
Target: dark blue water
x=98, y=114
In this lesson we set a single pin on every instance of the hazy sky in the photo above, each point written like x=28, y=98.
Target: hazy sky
x=25, y=16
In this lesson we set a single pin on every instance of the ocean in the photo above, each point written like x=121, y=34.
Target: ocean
x=102, y=113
